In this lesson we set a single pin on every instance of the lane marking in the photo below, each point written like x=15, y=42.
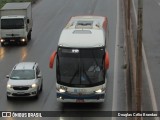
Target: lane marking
x=115, y=83
x=152, y=93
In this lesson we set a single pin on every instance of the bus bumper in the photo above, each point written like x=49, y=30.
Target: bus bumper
x=90, y=98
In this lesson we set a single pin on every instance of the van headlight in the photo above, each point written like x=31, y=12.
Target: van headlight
x=34, y=85
x=99, y=91
x=9, y=86
x=62, y=90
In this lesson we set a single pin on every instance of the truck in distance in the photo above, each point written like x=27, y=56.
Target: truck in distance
x=82, y=60
x=16, y=23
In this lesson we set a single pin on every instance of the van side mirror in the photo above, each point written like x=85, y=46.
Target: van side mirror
x=106, y=60
x=27, y=21
x=7, y=76
x=39, y=76
x=51, y=63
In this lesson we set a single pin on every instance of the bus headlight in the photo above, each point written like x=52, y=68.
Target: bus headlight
x=62, y=90
x=2, y=40
x=99, y=91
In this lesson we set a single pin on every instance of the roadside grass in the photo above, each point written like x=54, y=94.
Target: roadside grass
x=2, y=2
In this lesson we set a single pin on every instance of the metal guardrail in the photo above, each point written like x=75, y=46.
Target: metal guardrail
x=134, y=60
x=130, y=58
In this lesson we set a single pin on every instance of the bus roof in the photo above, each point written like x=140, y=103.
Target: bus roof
x=84, y=32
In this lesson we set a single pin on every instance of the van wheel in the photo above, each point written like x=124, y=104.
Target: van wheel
x=41, y=88
x=8, y=98
x=37, y=95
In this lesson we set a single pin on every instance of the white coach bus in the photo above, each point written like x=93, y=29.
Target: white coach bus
x=82, y=60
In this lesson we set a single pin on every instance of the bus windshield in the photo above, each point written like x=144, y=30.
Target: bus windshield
x=12, y=23
x=80, y=67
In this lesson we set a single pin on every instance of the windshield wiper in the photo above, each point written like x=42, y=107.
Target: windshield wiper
x=74, y=75
x=83, y=71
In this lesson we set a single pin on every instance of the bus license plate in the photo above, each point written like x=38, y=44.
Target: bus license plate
x=80, y=101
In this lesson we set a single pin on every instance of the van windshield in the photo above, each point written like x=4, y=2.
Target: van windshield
x=12, y=23
x=22, y=75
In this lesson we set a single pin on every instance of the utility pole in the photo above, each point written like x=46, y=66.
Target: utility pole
x=139, y=59
x=129, y=15
x=130, y=54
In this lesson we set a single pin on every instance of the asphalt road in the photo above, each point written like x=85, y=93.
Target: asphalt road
x=151, y=43
x=49, y=18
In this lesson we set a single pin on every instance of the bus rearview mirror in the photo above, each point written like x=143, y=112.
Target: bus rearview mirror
x=51, y=63
x=106, y=60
